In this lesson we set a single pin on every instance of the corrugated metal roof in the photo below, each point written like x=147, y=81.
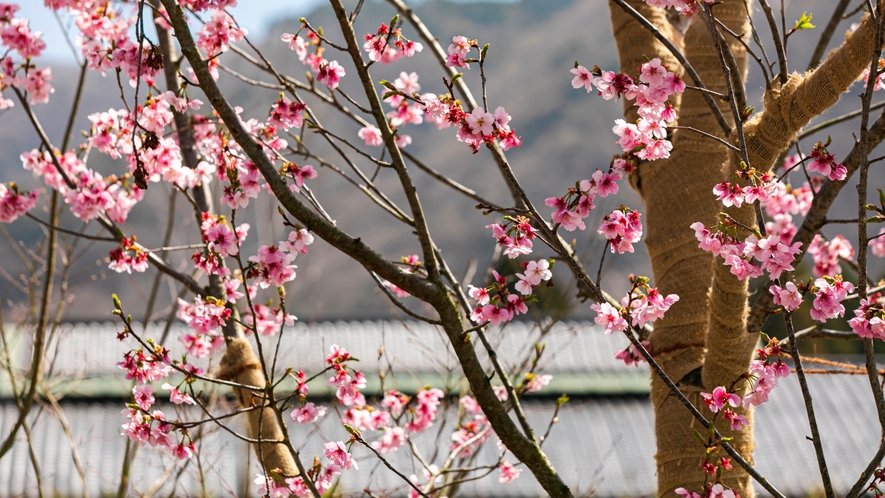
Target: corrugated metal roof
x=579, y=354
x=602, y=444
x=90, y=348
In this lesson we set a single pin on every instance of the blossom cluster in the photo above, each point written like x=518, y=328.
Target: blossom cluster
x=514, y=235
x=327, y=72
x=106, y=41
x=321, y=476
x=91, y=195
x=765, y=371
x=17, y=37
x=265, y=320
x=771, y=254
x=571, y=209
x=144, y=424
x=475, y=128
x=495, y=304
x=128, y=256
x=716, y=402
x=825, y=163
x=205, y=318
x=622, y=228
x=218, y=33
x=647, y=138
x=631, y=355
x=829, y=292
x=387, y=44
x=15, y=202
x=642, y=305
x=869, y=318
x=828, y=253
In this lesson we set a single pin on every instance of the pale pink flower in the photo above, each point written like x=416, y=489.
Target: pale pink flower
x=393, y=438
x=371, y=135
x=716, y=400
x=480, y=122
x=337, y=453
x=788, y=296
x=538, y=271
x=537, y=382
x=297, y=44
x=330, y=74
x=308, y=413
x=143, y=396
x=583, y=77
x=610, y=317
x=177, y=396
x=508, y=472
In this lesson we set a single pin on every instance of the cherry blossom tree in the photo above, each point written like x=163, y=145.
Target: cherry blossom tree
x=718, y=179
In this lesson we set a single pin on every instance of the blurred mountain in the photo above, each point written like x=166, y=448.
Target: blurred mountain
x=566, y=134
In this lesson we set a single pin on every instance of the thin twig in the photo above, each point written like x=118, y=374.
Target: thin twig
x=359, y=438
x=778, y=43
x=809, y=407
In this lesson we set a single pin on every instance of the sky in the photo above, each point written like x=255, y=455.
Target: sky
x=254, y=15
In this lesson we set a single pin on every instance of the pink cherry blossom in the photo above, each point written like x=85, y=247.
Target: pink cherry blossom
x=508, y=472
x=828, y=295
x=869, y=320
x=14, y=203
x=217, y=34
x=297, y=44
x=686, y=493
x=479, y=294
x=583, y=77
x=143, y=396
x=286, y=114
x=337, y=453
x=825, y=163
x=393, y=438
x=330, y=74
x=537, y=382
x=631, y=355
x=622, y=229
x=788, y=296
x=308, y=414
x=538, y=271
x=716, y=400
x=371, y=135
x=177, y=396
x=297, y=242
x=610, y=317
x=828, y=254
x=877, y=245
x=480, y=122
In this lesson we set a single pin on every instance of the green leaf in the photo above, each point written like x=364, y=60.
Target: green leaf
x=881, y=198
x=804, y=22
